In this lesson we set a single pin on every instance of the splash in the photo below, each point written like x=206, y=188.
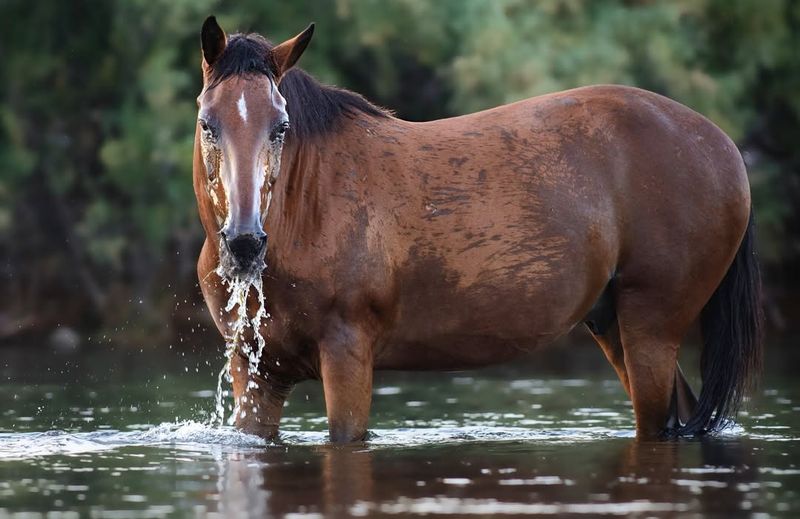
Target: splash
x=239, y=291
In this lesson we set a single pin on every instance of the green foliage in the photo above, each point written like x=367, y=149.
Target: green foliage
x=98, y=97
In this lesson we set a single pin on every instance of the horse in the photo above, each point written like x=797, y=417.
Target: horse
x=384, y=244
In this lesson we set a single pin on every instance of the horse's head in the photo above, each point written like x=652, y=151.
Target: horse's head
x=241, y=124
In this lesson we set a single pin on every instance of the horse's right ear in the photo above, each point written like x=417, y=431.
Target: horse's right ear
x=213, y=40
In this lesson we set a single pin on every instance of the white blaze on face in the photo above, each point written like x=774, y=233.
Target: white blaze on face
x=241, y=104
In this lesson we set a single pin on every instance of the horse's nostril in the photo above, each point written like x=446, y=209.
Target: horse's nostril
x=246, y=248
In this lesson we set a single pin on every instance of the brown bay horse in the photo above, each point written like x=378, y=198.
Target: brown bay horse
x=463, y=242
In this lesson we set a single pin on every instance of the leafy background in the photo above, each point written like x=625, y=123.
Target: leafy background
x=98, y=228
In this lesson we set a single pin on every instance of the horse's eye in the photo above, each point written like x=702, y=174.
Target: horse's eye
x=279, y=131
x=209, y=132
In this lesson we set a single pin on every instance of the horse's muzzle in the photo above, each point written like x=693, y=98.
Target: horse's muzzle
x=246, y=250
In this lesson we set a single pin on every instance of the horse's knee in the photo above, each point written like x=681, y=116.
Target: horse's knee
x=259, y=399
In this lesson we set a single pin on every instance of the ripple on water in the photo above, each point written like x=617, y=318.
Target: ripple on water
x=460, y=506
x=423, y=436
x=15, y=446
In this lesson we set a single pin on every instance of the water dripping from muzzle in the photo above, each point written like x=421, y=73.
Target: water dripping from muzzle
x=247, y=249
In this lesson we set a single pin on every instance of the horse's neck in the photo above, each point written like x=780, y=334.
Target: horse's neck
x=322, y=185
x=305, y=189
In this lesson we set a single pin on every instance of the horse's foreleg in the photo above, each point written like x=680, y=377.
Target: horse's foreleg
x=259, y=400
x=346, y=368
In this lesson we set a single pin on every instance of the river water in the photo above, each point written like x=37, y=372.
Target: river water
x=125, y=433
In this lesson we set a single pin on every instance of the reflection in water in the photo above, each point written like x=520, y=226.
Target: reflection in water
x=615, y=477
x=241, y=487
x=702, y=474
x=324, y=479
x=347, y=478
x=730, y=464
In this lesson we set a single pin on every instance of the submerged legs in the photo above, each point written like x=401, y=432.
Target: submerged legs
x=683, y=400
x=650, y=362
x=346, y=369
x=646, y=367
x=259, y=400
x=650, y=336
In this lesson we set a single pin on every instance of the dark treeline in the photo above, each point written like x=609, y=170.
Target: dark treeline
x=97, y=110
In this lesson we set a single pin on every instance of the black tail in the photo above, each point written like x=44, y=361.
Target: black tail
x=732, y=341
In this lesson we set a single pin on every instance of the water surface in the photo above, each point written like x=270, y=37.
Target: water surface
x=126, y=434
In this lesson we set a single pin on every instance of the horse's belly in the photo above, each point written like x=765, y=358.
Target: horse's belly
x=455, y=352
x=442, y=326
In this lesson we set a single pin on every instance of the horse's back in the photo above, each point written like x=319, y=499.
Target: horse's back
x=626, y=163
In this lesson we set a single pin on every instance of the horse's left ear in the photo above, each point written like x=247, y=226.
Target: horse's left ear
x=287, y=53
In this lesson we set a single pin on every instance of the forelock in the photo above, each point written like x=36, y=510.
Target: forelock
x=243, y=55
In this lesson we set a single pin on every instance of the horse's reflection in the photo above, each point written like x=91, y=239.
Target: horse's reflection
x=329, y=480
x=699, y=475
x=668, y=477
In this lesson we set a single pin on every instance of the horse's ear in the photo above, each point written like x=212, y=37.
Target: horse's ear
x=213, y=40
x=287, y=53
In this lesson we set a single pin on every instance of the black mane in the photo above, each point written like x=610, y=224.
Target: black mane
x=313, y=108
